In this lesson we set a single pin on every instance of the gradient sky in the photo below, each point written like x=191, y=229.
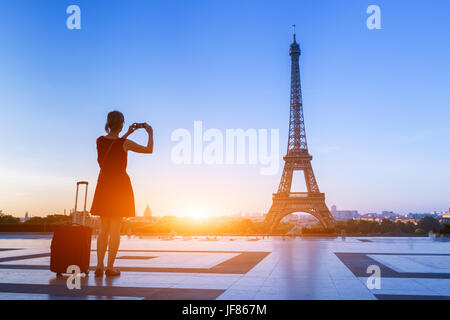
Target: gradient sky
x=376, y=103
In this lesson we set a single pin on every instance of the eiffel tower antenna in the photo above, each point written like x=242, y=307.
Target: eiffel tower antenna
x=297, y=158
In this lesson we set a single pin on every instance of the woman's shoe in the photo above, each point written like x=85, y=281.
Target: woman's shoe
x=99, y=272
x=112, y=273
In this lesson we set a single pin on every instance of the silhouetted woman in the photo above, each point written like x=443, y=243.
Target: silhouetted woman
x=113, y=198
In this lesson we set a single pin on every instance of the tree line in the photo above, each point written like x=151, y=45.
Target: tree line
x=217, y=226
x=387, y=227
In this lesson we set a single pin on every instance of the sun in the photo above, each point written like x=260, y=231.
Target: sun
x=196, y=213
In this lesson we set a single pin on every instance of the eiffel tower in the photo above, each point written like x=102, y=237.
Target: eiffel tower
x=297, y=157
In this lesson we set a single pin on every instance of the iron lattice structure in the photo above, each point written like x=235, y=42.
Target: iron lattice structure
x=297, y=157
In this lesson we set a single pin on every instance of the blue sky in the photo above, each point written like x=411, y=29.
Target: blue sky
x=376, y=102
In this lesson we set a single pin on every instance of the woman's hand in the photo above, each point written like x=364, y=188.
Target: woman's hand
x=148, y=128
x=133, y=146
x=131, y=129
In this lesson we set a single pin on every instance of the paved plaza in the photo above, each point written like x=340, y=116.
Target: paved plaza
x=239, y=268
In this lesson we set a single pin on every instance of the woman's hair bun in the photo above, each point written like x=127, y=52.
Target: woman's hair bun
x=114, y=121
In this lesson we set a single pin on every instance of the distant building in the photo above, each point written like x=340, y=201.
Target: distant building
x=419, y=216
x=292, y=218
x=343, y=214
x=446, y=218
x=254, y=216
x=146, y=218
x=406, y=220
x=388, y=214
x=148, y=212
x=27, y=217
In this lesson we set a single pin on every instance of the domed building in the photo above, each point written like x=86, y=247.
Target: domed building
x=148, y=212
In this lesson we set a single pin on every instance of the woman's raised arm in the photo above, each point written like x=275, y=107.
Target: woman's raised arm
x=129, y=145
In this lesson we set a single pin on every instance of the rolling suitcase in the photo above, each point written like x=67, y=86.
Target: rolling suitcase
x=71, y=244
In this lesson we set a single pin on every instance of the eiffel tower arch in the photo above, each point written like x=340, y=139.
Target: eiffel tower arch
x=297, y=158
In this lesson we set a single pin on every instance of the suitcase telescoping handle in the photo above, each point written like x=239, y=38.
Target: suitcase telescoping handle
x=76, y=202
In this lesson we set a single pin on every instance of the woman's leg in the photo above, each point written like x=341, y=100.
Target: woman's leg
x=114, y=240
x=102, y=241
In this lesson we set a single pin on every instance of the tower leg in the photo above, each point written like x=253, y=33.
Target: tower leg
x=324, y=216
x=276, y=222
x=268, y=222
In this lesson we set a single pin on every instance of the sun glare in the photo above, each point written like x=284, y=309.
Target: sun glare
x=196, y=213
